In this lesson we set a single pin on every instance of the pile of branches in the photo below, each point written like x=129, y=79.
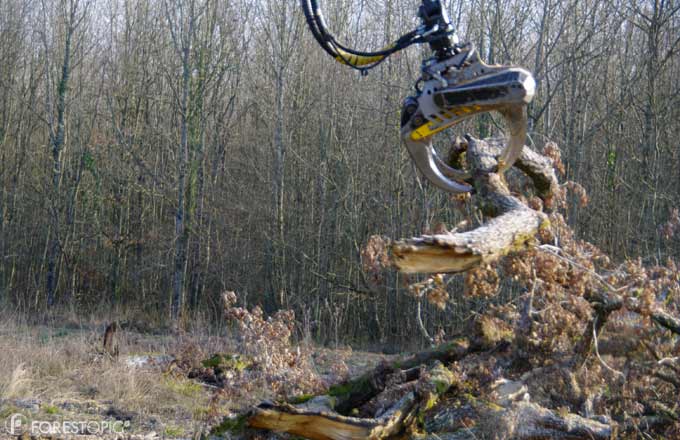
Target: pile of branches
x=589, y=350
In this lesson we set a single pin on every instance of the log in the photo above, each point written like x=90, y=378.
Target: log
x=322, y=424
x=538, y=168
x=504, y=411
x=356, y=392
x=534, y=165
x=529, y=421
x=512, y=229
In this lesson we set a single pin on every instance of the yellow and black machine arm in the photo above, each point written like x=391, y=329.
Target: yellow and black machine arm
x=455, y=85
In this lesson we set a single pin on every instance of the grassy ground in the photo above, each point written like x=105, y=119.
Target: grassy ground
x=60, y=374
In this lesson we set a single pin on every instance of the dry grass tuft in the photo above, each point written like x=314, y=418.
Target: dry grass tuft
x=15, y=384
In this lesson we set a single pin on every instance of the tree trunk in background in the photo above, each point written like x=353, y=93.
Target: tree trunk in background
x=278, y=251
x=182, y=43
x=57, y=138
x=281, y=26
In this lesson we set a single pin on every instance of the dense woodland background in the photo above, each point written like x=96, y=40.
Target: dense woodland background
x=154, y=153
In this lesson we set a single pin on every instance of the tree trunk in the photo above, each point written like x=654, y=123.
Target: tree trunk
x=512, y=229
x=317, y=421
x=57, y=136
x=181, y=231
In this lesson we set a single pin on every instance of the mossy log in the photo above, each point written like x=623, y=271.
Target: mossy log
x=526, y=420
x=316, y=421
x=428, y=403
x=512, y=227
x=356, y=392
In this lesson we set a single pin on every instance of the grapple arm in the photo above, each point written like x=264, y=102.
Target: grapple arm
x=457, y=85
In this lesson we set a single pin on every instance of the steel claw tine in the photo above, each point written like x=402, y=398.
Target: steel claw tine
x=516, y=122
x=433, y=168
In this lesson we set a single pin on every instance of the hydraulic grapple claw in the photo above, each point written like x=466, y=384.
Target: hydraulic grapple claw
x=455, y=90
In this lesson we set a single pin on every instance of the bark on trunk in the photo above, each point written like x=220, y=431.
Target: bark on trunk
x=512, y=228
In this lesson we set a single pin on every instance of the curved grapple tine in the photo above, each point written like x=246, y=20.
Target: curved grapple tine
x=434, y=169
x=455, y=174
x=452, y=180
x=516, y=121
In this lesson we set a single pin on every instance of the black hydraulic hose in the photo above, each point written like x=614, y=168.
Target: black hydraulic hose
x=402, y=43
x=342, y=53
x=312, y=22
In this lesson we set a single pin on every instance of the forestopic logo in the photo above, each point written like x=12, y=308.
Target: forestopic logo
x=17, y=424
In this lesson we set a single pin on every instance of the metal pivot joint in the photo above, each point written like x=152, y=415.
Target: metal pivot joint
x=439, y=32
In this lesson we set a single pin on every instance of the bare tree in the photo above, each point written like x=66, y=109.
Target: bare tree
x=70, y=15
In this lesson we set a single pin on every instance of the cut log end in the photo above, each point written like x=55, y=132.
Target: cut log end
x=315, y=426
x=430, y=258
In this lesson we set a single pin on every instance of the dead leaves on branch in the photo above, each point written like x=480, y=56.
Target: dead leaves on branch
x=609, y=331
x=277, y=364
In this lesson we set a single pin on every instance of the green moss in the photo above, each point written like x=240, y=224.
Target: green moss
x=481, y=403
x=348, y=388
x=174, y=431
x=231, y=425
x=184, y=387
x=431, y=402
x=545, y=224
x=441, y=386
x=50, y=409
x=212, y=362
x=228, y=362
x=420, y=419
x=301, y=399
x=442, y=378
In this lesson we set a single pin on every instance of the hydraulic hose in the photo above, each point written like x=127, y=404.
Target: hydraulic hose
x=344, y=55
